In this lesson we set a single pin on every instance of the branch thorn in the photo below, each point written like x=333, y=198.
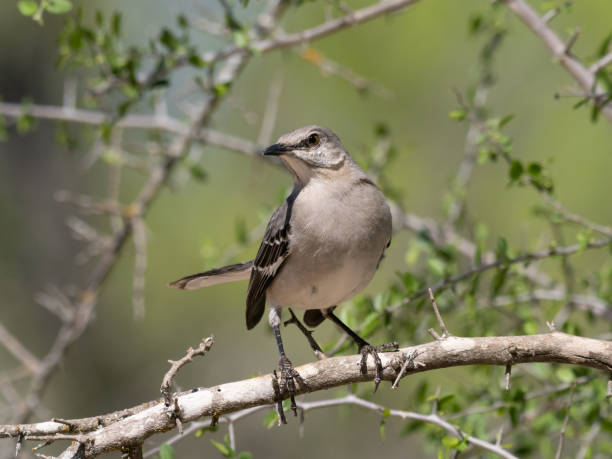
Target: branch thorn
x=445, y=333
x=508, y=372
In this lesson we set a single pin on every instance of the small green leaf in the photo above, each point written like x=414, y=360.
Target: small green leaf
x=25, y=123
x=383, y=430
x=530, y=327
x=534, y=169
x=516, y=170
x=505, y=120
x=436, y=266
x=166, y=451
x=221, y=89
x=451, y=442
x=502, y=247
x=241, y=38
x=565, y=374
x=196, y=60
x=245, y=455
x=169, y=40
x=223, y=449
x=182, y=22
x=116, y=24
x=270, y=419
x=198, y=173
x=59, y=6
x=27, y=8
x=241, y=231
x=458, y=115
x=498, y=281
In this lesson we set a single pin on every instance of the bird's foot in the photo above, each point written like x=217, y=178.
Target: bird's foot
x=287, y=385
x=368, y=349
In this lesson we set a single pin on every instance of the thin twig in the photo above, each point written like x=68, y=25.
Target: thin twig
x=18, y=350
x=583, y=76
x=565, y=422
x=441, y=323
x=176, y=365
x=527, y=257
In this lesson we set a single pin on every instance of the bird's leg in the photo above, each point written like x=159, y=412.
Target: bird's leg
x=288, y=375
x=307, y=333
x=364, y=347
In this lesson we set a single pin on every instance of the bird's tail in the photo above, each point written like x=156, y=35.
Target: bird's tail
x=231, y=273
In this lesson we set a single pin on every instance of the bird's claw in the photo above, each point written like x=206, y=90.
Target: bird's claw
x=368, y=349
x=288, y=378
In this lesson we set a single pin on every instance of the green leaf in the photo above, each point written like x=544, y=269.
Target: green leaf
x=245, y=455
x=270, y=419
x=196, y=60
x=198, y=173
x=458, y=115
x=222, y=88
x=505, y=120
x=59, y=6
x=530, y=327
x=25, y=123
x=502, y=248
x=182, y=22
x=27, y=8
x=498, y=281
x=516, y=170
x=224, y=449
x=241, y=38
x=116, y=24
x=565, y=374
x=240, y=230
x=451, y=442
x=534, y=169
x=436, y=266
x=383, y=430
x=166, y=451
x=603, y=47
x=169, y=40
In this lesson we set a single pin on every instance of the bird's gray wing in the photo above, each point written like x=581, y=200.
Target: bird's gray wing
x=272, y=253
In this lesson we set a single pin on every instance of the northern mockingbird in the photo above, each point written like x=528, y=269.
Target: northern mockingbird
x=321, y=247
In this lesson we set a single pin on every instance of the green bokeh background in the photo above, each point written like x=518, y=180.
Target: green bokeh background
x=419, y=55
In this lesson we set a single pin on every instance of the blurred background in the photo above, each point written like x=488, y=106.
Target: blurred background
x=416, y=59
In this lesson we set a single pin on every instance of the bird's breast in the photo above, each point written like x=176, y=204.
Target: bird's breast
x=337, y=238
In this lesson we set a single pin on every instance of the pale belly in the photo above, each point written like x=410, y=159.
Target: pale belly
x=337, y=264
x=317, y=283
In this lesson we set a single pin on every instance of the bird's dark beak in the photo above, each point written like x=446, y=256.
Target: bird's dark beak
x=276, y=150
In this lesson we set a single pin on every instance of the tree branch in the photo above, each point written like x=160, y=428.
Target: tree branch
x=72, y=330
x=526, y=257
x=149, y=419
x=559, y=49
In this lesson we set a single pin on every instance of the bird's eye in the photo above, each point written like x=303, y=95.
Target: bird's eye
x=313, y=140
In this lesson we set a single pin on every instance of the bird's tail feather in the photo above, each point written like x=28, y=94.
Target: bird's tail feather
x=231, y=273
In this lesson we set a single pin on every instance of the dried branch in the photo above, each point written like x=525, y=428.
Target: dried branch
x=349, y=20
x=565, y=422
x=176, y=365
x=18, y=350
x=560, y=50
x=72, y=330
x=526, y=257
x=148, y=419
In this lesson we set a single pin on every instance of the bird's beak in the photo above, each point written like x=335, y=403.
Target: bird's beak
x=276, y=150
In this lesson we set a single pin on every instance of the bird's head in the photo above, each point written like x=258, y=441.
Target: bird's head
x=310, y=151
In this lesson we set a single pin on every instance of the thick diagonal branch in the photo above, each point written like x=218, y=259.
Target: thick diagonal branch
x=230, y=397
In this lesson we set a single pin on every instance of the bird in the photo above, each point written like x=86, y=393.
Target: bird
x=321, y=247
